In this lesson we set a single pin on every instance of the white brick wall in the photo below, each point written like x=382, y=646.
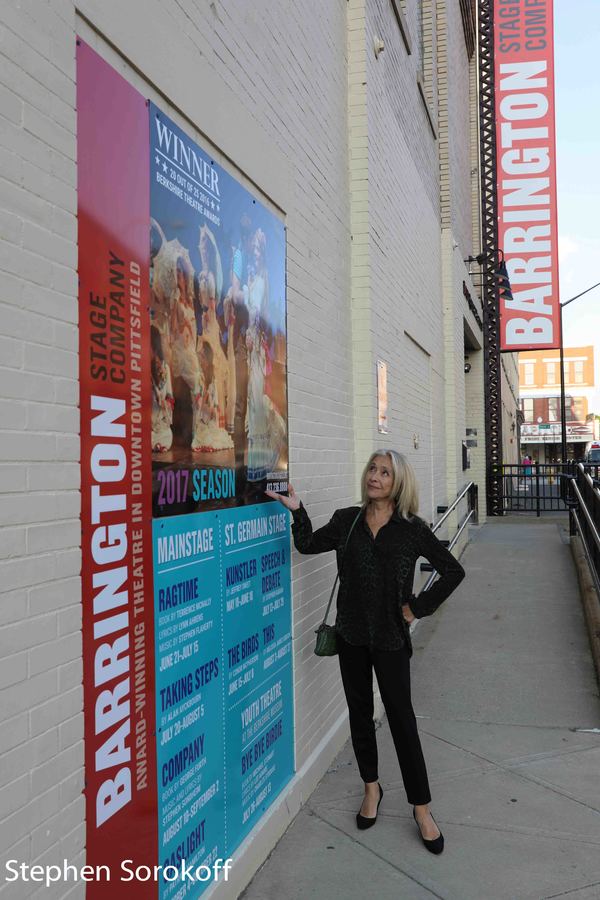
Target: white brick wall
x=455, y=115
x=395, y=215
x=40, y=641
x=263, y=69
x=294, y=100
x=411, y=214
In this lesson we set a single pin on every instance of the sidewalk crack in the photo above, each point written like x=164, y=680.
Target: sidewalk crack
x=379, y=856
x=571, y=890
x=514, y=771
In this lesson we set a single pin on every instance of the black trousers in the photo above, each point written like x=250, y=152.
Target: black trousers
x=392, y=668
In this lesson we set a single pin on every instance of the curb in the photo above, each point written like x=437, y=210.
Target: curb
x=589, y=600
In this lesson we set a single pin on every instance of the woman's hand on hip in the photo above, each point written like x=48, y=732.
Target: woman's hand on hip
x=291, y=502
x=408, y=614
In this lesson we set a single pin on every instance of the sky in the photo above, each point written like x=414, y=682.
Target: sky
x=577, y=86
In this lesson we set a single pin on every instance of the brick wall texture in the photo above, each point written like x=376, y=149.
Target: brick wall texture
x=374, y=177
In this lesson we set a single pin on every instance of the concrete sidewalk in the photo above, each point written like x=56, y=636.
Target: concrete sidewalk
x=502, y=675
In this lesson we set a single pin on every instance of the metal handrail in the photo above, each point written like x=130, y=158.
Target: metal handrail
x=586, y=551
x=441, y=521
x=591, y=527
x=586, y=512
x=585, y=472
x=461, y=527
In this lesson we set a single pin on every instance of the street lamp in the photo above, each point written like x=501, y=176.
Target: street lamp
x=563, y=413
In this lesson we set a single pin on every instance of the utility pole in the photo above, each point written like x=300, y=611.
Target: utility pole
x=563, y=412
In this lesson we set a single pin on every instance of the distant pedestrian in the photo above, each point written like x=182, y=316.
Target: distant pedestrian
x=382, y=539
x=527, y=463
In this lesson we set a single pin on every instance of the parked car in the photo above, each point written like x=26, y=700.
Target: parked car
x=593, y=453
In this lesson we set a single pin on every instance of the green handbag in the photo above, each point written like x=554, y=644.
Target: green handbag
x=326, y=644
x=326, y=640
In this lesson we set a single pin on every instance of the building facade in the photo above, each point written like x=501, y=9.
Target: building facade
x=355, y=124
x=539, y=392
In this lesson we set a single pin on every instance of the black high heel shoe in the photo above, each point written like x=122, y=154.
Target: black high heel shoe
x=436, y=845
x=363, y=822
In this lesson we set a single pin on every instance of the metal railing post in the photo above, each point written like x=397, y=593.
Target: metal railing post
x=475, y=503
x=585, y=508
x=472, y=496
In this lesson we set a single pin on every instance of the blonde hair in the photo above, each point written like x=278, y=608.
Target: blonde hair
x=405, y=491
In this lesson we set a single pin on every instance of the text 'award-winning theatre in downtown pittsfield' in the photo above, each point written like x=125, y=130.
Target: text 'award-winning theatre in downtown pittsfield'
x=185, y=575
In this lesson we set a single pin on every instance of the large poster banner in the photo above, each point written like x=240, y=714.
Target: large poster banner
x=188, y=687
x=526, y=164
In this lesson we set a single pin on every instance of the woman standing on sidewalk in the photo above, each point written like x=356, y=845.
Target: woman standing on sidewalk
x=375, y=607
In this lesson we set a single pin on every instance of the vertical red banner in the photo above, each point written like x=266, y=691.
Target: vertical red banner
x=526, y=172
x=116, y=489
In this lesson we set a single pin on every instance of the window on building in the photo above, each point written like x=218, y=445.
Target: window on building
x=529, y=372
x=527, y=407
x=467, y=14
x=550, y=373
x=578, y=409
x=553, y=409
x=421, y=39
x=399, y=7
x=427, y=75
x=420, y=36
x=578, y=371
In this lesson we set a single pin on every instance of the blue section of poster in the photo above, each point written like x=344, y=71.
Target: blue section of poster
x=218, y=332
x=189, y=691
x=224, y=689
x=257, y=668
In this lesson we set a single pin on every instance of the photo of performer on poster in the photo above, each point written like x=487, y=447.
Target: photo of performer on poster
x=218, y=334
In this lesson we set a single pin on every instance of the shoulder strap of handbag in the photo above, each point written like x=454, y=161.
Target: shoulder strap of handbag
x=342, y=563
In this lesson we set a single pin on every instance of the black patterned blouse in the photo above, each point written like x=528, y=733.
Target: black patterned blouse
x=376, y=576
